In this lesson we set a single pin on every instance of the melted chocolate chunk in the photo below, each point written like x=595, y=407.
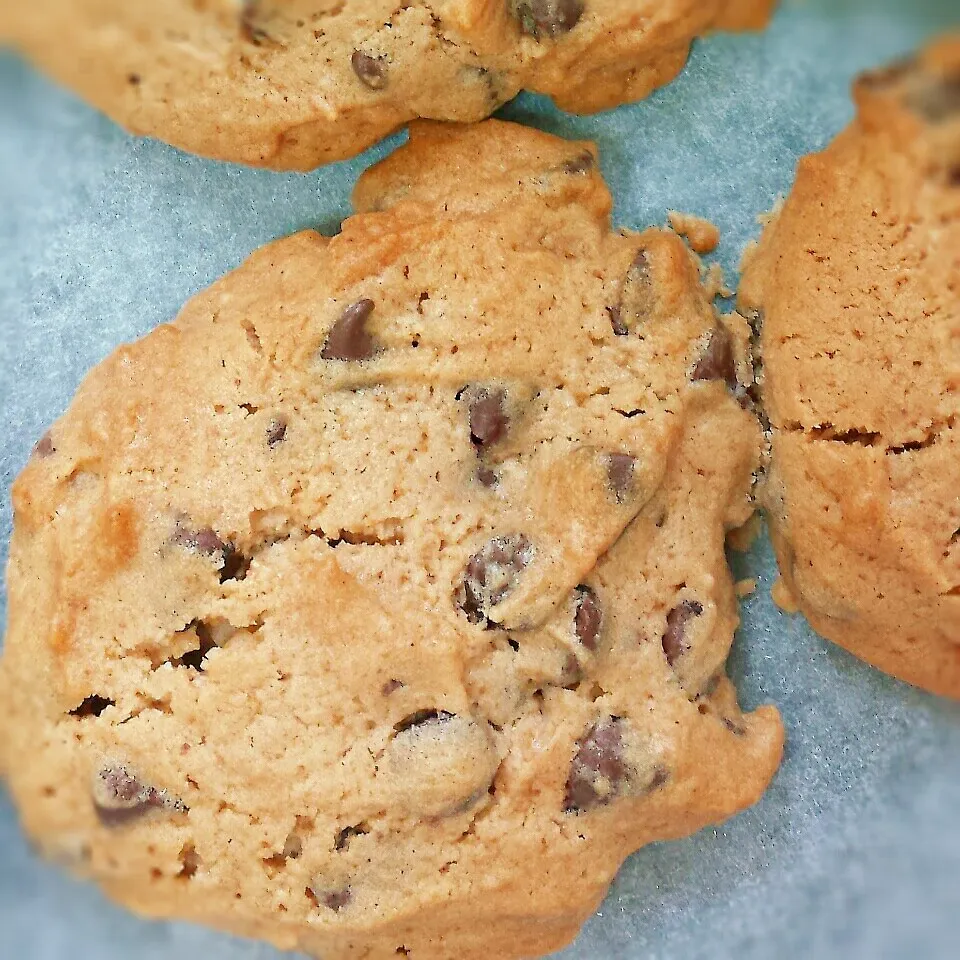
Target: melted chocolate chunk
x=717, y=361
x=348, y=339
x=488, y=418
x=937, y=100
x=371, y=71
x=120, y=797
x=492, y=573
x=674, y=640
x=276, y=431
x=583, y=163
x=598, y=772
x=588, y=618
x=620, y=474
x=547, y=18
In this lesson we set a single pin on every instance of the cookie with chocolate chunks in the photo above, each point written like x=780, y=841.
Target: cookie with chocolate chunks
x=292, y=84
x=281, y=660
x=855, y=287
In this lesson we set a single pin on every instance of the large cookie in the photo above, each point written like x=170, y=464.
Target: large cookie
x=378, y=605
x=295, y=83
x=857, y=283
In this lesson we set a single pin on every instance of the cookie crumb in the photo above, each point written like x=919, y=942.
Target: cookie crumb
x=702, y=235
x=746, y=587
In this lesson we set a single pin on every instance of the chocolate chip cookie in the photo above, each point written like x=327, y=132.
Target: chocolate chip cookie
x=856, y=286
x=292, y=84
x=378, y=605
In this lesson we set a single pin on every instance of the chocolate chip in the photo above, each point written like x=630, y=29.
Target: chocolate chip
x=620, y=474
x=735, y=728
x=598, y=772
x=390, y=687
x=92, y=706
x=276, y=431
x=336, y=900
x=347, y=834
x=547, y=18
x=717, y=361
x=620, y=329
x=588, y=617
x=422, y=718
x=674, y=640
x=953, y=176
x=583, y=163
x=937, y=100
x=249, y=29
x=488, y=418
x=44, y=447
x=348, y=339
x=204, y=541
x=134, y=79
x=119, y=796
x=492, y=573
x=637, y=296
x=371, y=71
x=487, y=477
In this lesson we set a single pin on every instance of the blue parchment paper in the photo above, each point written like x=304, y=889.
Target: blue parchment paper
x=855, y=850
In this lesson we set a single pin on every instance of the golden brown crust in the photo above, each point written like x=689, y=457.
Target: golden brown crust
x=405, y=652
x=292, y=84
x=856, y=280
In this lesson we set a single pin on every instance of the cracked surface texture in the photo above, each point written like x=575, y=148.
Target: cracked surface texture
x=857, y=285
x=378, y=605
x=292, y=84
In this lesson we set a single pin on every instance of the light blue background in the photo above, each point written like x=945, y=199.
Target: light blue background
x=855, y=850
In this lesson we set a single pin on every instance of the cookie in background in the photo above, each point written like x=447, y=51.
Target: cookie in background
x=856, y=285
x=292, y=84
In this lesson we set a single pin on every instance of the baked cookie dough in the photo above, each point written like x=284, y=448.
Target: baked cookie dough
x=292, y=84
x=378, y=605
x=857, y=285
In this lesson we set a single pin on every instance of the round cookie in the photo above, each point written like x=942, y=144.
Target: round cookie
x=378, y=605
x=292, y=84
x=856, y=283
